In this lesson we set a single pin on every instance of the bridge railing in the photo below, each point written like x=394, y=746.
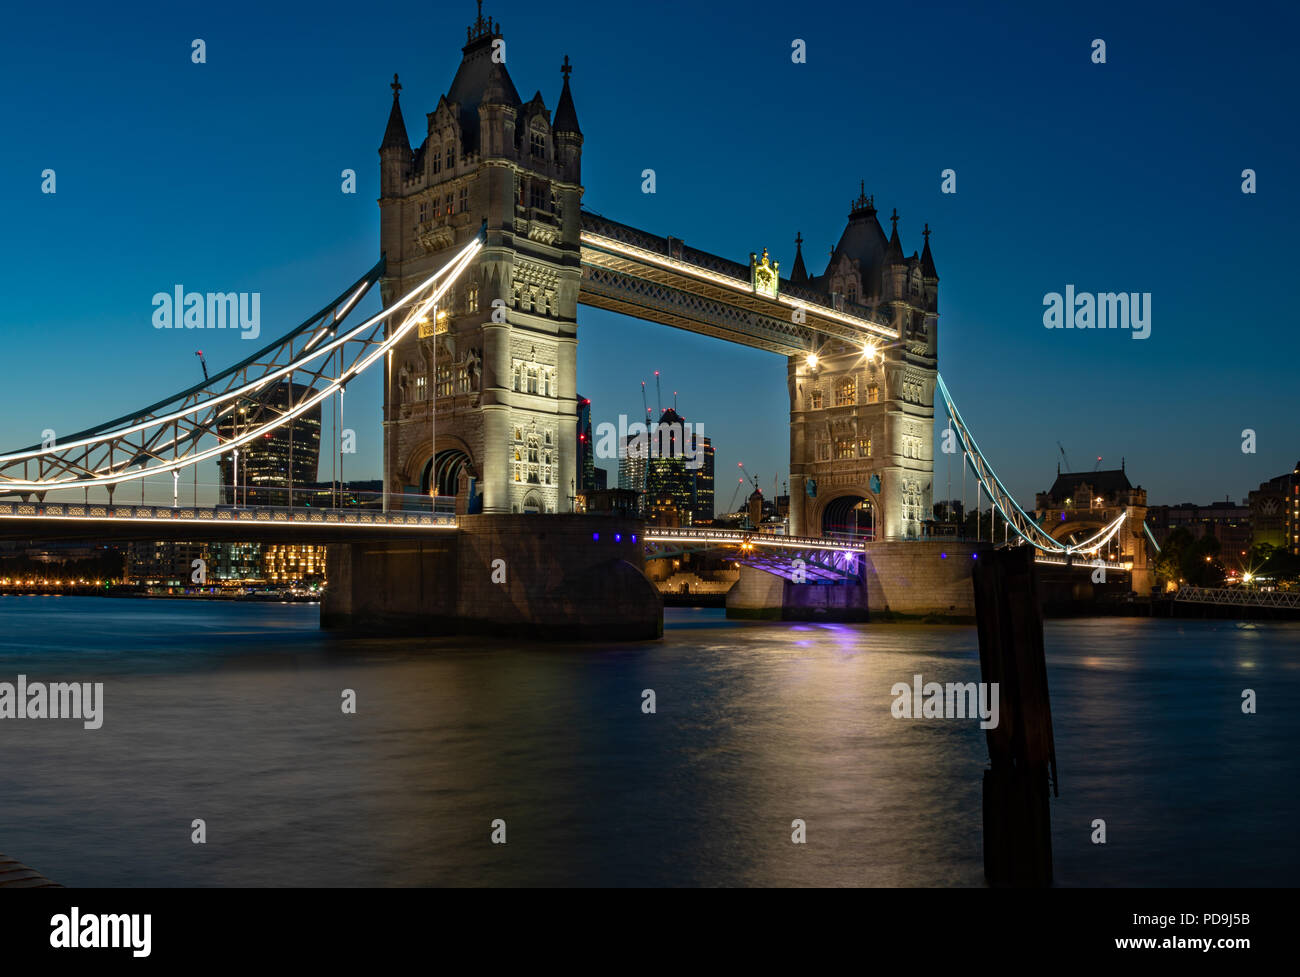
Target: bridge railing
x=223, y=514
x=1238, y=596
x=663, y=534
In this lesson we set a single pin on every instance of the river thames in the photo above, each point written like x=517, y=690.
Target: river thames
x=231, y=713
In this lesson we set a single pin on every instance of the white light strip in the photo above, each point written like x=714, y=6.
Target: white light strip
x=786, y=542
x=469, y=251
x=704, y=274
x=457, y=265
x=188, y=523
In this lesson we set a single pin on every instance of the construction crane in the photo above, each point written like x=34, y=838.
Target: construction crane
x=203, y=363
x=1065, y=456
x=645, y=403
x=731, y=506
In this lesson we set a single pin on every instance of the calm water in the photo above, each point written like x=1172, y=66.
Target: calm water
x=230, y=713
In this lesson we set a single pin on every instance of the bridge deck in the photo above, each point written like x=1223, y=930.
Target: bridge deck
x=630, y=271
x=57, y=520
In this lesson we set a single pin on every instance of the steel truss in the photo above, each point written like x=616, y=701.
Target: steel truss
x=1024, y=525
x=1239, y=597
x=316, y=360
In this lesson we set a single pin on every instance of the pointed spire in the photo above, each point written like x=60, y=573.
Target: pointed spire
x=863, y=203
x=566, y=116
x=927, y=259
x=480, y=28
x=895, y=253
x=498, y=90
x=395, y=136
x=799, y=275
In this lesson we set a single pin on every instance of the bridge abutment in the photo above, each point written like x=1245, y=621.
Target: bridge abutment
x=908, y=578
x=557, y=577
x=759, y=595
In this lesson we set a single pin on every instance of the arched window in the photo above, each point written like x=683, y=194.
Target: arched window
x=873, y=393
x=846, y=392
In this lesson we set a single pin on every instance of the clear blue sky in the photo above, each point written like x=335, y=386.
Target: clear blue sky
x=1122, y=176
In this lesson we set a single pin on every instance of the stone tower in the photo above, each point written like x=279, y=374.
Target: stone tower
x=861, y=426
x=500, y=357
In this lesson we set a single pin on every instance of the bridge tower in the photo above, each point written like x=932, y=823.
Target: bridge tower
x=861, y=426
x=500, y=358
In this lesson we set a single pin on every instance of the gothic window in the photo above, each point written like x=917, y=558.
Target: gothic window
x=846, y=392
x=815, y=400
x=444, y=381
x=548, y=437
x=462, y=378
x=464, y=199
x=823, y=451
x=539, y=144
x=471, y=298
x=532, y=379
x=519, y=434
x=873, y=392
x=532, y=449
x=519, y=189
x=843, y=449
x=421, y=387
x=437, y=160
x=450, y=161
x=864, y=447
x=424, y=211
x=537, y=195
x=518, y=470
x=447, y=205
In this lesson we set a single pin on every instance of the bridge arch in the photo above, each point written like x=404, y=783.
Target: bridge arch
x=852, y=513
x=450, y=464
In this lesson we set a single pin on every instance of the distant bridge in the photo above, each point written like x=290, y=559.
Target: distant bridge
x=1238, y=597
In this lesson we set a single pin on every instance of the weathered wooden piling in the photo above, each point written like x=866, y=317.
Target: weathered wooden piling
x=15, y=875
x=1022, y=752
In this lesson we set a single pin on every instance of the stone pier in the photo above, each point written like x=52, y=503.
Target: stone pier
x=541, y=577
x=903, y=578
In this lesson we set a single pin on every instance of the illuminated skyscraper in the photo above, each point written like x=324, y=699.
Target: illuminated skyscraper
x=586, y=449
x=672, y=463
x=288, y=454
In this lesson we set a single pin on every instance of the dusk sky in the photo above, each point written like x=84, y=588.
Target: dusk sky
x=1123, y=176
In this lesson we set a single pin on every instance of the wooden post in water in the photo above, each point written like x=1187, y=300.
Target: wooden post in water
x=1017, y=822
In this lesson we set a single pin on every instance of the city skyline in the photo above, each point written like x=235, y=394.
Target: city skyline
x=1004, y=241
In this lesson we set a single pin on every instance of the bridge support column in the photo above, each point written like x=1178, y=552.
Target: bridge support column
x=759, y=595
x=535, y=577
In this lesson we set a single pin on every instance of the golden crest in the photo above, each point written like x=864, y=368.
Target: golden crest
x=765, y=275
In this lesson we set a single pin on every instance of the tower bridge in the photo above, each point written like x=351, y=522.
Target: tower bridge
x=485, y=399
x=488, y=249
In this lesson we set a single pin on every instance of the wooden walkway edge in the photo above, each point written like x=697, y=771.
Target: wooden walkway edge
x=15, y=875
